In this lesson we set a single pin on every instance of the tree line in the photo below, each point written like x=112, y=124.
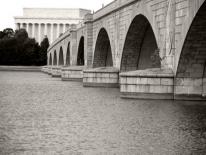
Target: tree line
x=16, y=48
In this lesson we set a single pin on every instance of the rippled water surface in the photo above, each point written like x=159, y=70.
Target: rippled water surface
x=40, y=115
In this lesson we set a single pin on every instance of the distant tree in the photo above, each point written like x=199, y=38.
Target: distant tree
x=7, y=51
x=8, y=32
x=7, y=46
x=43, y=50
x=2, y=34
x=16, y=48
x=30, y=54
x=21, y=35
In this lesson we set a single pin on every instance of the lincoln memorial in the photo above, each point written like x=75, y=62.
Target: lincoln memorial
x=50, y=22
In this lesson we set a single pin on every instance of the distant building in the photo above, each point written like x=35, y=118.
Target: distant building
x=48, y=21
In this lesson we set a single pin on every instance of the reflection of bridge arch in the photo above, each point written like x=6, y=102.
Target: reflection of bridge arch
x=50, y=59
x=102, y=53
x=61, y=57
x=68, y=55
x=192, y=62
x=55, y=58
x=140, y=45
x=80, y=54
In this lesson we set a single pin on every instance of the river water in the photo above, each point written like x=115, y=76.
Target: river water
x=40, y=115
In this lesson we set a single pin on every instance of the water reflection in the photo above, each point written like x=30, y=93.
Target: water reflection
x=43, y=115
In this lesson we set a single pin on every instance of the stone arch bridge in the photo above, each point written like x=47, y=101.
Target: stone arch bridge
x=149, y=48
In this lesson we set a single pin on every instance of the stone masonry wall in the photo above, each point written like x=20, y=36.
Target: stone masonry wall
x=192, y=61
x=186, y=11
x=118, y=22
x=170, y=21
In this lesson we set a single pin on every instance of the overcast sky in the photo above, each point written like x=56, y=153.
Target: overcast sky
x=11, y=8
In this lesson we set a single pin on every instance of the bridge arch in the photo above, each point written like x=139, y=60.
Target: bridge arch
x=50, y=59
x=192, y=61
x=61, y=57
x=68, y=55
x=55, y=58
x=80, y=55
x=140, y=46
x=102, y=52
x=186, y=24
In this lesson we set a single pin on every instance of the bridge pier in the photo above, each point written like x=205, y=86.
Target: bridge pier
x=101, y=77
x=44, y=69
x=147, y=84
x=72, y=73
x=190, y=88
x=161, y=84
x=49, y=70
x=56, y=71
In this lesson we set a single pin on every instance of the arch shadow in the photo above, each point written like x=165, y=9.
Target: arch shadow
x=61, y=57
x=55, y=58
x=103, y=52
x=192, y=61
x=68, y=55
x=50, y=59
x=140, y=48
x=80, y=55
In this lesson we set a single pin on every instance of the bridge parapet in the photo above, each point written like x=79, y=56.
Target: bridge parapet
x=105, y=10
x=66, y=34
x=80, y=25
x=72, y=28
x=113, y=6
x=88, y=18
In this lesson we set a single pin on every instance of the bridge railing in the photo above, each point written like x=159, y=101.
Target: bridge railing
x=60, y=38
x=80, y=25
x=66, y=34
x=111, y=7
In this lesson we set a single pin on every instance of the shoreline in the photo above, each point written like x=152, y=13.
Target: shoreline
x=21, y=68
